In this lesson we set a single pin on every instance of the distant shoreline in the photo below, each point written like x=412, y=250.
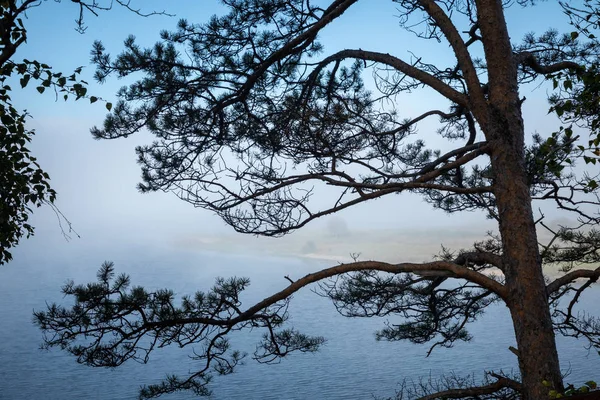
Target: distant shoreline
x=383, y=245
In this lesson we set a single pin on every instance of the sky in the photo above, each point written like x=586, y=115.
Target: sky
x=96, y=180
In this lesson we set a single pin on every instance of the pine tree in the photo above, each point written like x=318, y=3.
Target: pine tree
x=252, y=115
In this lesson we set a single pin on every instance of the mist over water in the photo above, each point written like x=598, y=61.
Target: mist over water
x=352, y=364
x=163, y=242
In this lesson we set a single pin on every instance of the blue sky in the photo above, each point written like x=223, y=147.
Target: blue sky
x=96, y=180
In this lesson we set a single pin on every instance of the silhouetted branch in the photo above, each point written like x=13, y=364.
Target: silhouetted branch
x=94, y=6
x=582, y=324
x=433, y=309
x=501, y=383
x=465, y=62
x=591, y=274
x=401, y=66
x=111, y=323
x=495, y=386
x=529, y=59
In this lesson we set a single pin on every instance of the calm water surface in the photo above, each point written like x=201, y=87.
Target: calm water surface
x=352, y=365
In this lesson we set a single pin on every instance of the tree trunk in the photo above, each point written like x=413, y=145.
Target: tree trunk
x=528, y=301
x=503, y=127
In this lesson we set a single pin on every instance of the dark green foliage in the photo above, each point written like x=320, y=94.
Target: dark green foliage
x=571, y=390
x=578, y=104
x=23, y=184
x=253, y=104
x=432, y=310
x=578, y=101
x=121, y=323
x=581, y=248
x=251, y=117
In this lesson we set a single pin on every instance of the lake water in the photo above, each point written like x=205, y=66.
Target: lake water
x=352, y=365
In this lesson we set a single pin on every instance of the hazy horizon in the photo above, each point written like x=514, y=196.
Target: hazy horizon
x=96, y=180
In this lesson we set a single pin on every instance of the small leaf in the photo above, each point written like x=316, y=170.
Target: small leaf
x=109, y=106
x=40, y=89
x=93, y=99
x=24, y=80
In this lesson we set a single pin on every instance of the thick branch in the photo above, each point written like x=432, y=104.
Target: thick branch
x=480, y=258
x=403, y=67
x=456, y=270
x=480, y=147
x=528, y=59
x=336, y=9
x=500, y=384
x=590, y=274
x=476, y=94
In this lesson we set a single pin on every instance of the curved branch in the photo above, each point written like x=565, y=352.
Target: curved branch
x=528, y=59
x=396, y=186
x=480, y=258
x=481, y=147
x=403, y=67
x=463, y=57
x=279, y=230
x=500, y=384
x=590, y=274
x=457, y=270
x=254, y=312
x=336, y=9
x=407, y=125
x=366, y=190
x=251, y=313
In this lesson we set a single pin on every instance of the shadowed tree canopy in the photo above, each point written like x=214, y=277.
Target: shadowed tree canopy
x=23, y=183
x=577, y=102
x=252, y=115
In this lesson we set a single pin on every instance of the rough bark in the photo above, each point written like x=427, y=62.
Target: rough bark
x=527, y=299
